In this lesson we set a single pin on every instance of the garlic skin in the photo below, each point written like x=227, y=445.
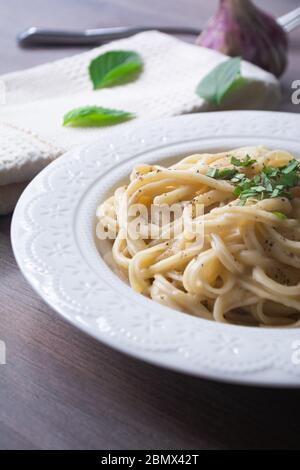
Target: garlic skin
x=239, y=28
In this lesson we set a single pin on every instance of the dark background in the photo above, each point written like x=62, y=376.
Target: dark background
x=61, y=389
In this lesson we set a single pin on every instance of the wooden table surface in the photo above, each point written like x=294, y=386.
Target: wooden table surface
x=63, y=390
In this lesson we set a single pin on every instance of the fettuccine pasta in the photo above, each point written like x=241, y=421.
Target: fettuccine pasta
x=236, y=262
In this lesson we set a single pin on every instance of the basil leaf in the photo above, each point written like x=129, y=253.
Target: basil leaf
x=224, y=78
x=239, y=82
x=95, y=116
x=115, y=68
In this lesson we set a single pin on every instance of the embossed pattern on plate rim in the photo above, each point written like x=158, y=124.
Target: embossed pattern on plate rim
x=45, y=244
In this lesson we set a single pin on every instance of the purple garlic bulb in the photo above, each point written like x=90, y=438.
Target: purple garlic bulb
x=239, y=28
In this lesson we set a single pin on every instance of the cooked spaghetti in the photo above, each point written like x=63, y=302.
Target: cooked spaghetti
x=245, y=268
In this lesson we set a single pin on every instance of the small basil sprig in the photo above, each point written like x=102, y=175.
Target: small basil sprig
x=95, y=116
x=222, y=80
x=115, y=68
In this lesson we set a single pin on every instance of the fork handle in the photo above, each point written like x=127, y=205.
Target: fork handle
x=290, y=21
x=90, y=37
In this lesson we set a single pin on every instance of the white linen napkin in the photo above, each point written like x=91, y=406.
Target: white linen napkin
x=31, y=131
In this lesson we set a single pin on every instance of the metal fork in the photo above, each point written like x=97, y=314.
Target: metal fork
x=290, y=21
x=91, y=37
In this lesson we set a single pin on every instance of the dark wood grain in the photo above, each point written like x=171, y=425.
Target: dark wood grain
x=61, y=389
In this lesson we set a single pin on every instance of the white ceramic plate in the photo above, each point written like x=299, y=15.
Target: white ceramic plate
x=53, y=241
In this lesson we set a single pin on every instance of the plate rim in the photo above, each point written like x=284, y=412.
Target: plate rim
x=249, y=378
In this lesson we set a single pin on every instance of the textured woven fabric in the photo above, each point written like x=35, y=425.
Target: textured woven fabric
x=31, y=131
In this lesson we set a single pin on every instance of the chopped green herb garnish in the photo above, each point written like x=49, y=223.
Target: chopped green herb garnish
x=226, y=173
x=267, y=183
x=244, y=163
x=277, y=191
x=258, y=189
x=289, y=179
x=212, y=172
x=279, y=215
x=270, y=183
x=238, y=177
x=271, y=171
x=237, y=191
x=221, y=174
x=292, y=165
